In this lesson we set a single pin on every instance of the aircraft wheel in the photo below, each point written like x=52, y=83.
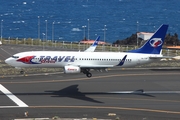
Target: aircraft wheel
x=22, y=72
x=88, y=74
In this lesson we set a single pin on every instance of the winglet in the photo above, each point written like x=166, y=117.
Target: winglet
x=155, y=43
x=122, y=61
x=93, y=46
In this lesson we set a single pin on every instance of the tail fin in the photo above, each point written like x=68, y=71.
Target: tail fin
x=93, y=46
x=155, y=43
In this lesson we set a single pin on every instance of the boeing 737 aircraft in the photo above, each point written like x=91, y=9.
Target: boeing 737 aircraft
x=76, y=62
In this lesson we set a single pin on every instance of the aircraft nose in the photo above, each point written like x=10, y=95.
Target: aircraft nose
x=8, y=60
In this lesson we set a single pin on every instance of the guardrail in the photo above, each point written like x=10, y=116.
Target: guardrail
x=78, y=46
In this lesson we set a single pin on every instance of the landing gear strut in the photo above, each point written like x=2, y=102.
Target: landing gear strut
x=88, y=74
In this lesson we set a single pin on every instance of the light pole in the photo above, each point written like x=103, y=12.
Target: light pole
x=38, y=27
x=46, y=34
x=24, y=40
x=104, y=36
x=16, y=41
x=9, y=39
x=46, y=29
x=1, y=29
x=84, y=31
x=31, y=42
x=43, y=40
x=52, y=32
x=40, y=42
x=104, y=33
x=88, y=29
x=55, y=43
x=137, y=33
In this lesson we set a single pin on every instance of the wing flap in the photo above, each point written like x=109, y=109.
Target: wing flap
x=95, y=66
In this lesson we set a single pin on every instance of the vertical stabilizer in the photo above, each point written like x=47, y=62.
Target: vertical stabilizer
x=155, y=43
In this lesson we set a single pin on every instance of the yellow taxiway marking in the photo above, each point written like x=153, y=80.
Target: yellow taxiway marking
x=106, y=107
x=85, y=78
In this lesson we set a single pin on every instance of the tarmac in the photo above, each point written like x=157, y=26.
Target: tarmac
x=143, y=92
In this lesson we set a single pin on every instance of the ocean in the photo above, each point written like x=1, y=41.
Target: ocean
x=72, y=20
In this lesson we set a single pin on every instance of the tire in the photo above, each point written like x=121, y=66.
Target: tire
x=89, y=75
x=21, y=72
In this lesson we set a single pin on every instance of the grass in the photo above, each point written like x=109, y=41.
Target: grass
x=6, y=70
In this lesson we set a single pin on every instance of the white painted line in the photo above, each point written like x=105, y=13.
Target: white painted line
x=9, y=106
x=12, y=97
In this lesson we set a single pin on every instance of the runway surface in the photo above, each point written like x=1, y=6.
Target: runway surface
x=137, y=94
x=127, y=94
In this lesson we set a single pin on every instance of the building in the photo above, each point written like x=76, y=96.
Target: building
x=91, y=42
x=144, y=35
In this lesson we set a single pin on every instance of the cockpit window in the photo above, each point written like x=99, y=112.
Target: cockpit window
x=15, y=56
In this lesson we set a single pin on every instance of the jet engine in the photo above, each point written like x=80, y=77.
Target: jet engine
x=72, y=69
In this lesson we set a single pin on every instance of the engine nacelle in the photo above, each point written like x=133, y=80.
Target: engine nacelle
x=72, y=69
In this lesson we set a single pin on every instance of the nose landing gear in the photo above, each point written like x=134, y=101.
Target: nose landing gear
x=22, y=72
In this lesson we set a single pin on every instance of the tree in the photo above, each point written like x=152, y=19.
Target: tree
x=132, y=40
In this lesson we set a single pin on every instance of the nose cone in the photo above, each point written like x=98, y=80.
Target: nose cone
x=9, y=61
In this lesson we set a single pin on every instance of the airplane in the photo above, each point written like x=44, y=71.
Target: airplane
x=93, y=46
x=77, y=62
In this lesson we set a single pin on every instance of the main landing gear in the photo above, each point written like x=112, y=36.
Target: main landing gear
x=88, y=74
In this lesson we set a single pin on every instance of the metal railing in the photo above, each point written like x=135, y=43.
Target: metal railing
x=78, y=46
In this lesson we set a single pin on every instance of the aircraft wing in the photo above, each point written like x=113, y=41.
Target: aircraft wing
x=96, y=66
x=93, y=46
x=160, y=57
x=156, y=57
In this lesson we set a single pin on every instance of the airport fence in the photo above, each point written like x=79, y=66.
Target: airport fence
x=78, y=46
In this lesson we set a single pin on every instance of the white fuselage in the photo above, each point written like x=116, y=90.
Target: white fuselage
x=80, y=59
